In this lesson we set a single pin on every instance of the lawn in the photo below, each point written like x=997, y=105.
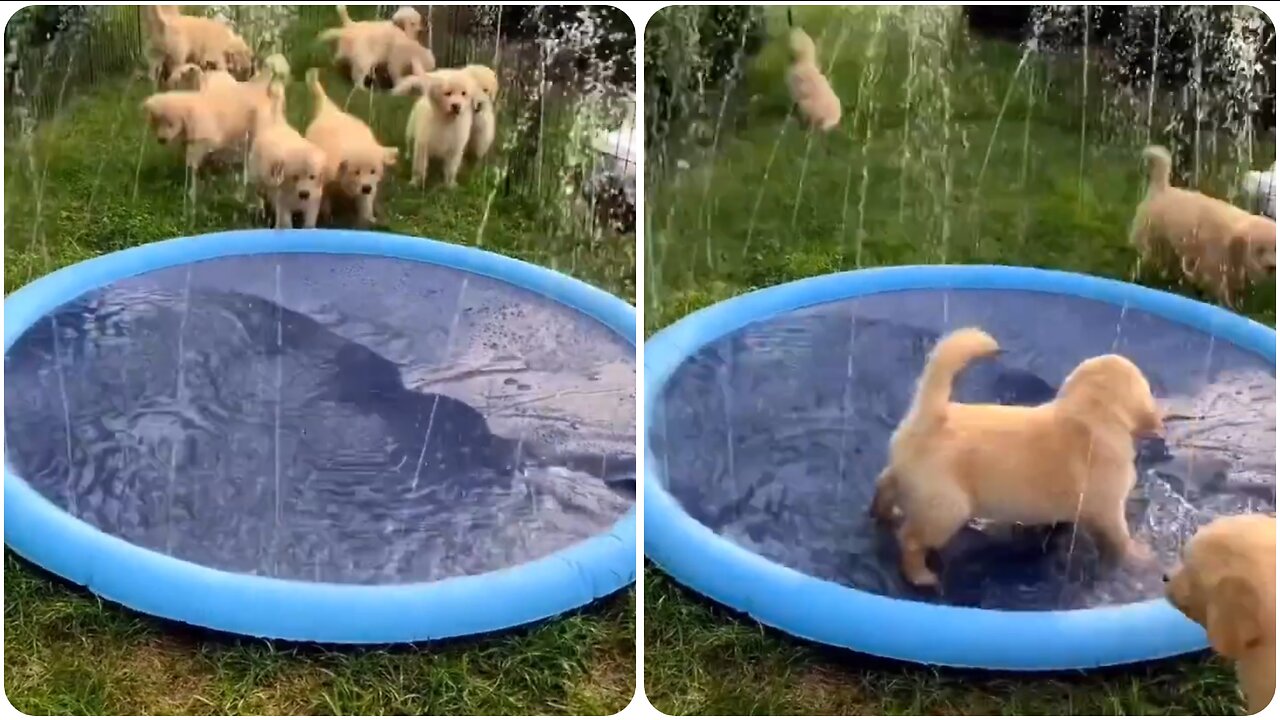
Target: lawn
x=951, y=149
x=91, y=181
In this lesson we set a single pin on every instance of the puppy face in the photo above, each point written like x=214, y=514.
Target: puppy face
x=1260, y=257
x=1115, y=385
x=301, y=175
x=408, y=20
x=485, y=79
x=238, y=58
x=167, y=117
x=361, y=172
x=1218, y=586
x=451, y=93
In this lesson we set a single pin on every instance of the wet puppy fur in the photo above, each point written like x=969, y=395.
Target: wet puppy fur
x=440, y=124
x=289, y=170
x=1216, y=245
x=176, y=39
x=1227, y=584
x=356, y=160
x=810, y=90
x=364, y=47
x=1068, y=460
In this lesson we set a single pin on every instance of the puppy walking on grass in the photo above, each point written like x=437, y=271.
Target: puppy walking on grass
x=356, y=160
x=810, y=90
x=1227, y=584
x=288, y=169
x=1215, y=244
x=440, y=124
x=1069, y=460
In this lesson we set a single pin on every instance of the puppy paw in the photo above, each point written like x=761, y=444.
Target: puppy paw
x=923, y=579
x=1138, y=554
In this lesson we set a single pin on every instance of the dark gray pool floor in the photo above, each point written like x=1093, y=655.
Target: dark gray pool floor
x=327, y=418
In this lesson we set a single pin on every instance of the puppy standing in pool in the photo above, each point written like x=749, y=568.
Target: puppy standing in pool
x=1069, y=460
x=1227, y=584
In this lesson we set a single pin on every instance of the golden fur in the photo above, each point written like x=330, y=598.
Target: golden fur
x=288, y=169
x=810, y=90
x=1071, y=459
x=1227, y=584
x=215, y=118
x=1215, y=244
x=356, y=160
x=440, y=124
x=484, y=119
x=176, y=39
x=366, y=45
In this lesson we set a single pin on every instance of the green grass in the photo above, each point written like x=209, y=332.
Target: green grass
x=91, y=182
x=752, y=201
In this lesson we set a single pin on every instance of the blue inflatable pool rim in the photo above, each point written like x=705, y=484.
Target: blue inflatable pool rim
x=833, y=614
x=166, y=587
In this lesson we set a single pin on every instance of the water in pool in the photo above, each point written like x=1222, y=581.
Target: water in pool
x=773, y=437
x=326, y=418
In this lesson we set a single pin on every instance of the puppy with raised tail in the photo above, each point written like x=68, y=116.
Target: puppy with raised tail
x=356, y=160
x=1069, y=460
x=1227, y=584
x=441, y=121
x=810, y=90
x=1217, y=245
x=366, y=45
x=176, y=39
x=288, y=169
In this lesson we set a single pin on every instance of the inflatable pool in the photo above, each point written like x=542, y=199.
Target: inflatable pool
x=322, y=435
x=768, y=418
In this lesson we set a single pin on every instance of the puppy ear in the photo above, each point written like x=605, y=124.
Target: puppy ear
x=1233, y=618
x=277, y=172
x=342, y=168
x=390, y=155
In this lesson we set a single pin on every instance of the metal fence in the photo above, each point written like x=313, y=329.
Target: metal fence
x=554, y=81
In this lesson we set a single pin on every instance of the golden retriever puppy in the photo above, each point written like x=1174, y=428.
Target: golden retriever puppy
x=810, y=90
x=440, y=123
x=1227, y=584
x=1216, y=244
x=1069, y=460
x=367, y=45
x=176, y=39
x=288, y=169
x=408, y=20
x=214, y=120
x=484, y=118
x=356, y=160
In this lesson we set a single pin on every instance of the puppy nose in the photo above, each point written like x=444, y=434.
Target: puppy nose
x=366, y=189
x=304, y=194
x=1165, y=577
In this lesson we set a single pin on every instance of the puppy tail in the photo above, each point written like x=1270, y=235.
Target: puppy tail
x=317, y=90
x=275, y=108
x=802, y=48
x=344, y=15
x=949, y=357
x=330, y=34
x=1159, y=167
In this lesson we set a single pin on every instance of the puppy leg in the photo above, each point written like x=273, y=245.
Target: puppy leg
x=929, y=525
x=364, y=210
x=421, y=163
x=451, y=166
x=284, y=216
x=310, y=214
x=884, y=502
x=1109, y=528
